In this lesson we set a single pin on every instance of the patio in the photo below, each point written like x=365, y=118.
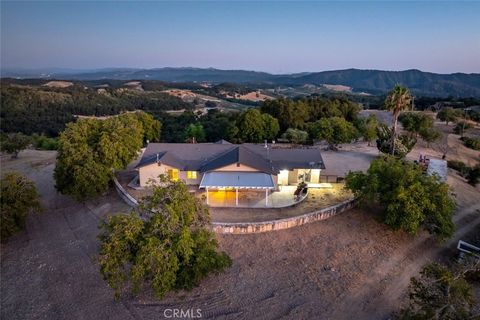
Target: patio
x=249, y=198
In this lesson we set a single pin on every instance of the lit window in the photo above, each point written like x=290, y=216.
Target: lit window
x=191, y=174
x=173, y=174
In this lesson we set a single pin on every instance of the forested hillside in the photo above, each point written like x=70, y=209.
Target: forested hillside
x=46, y=110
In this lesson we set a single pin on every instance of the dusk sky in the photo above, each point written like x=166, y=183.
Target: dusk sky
x=278, y=37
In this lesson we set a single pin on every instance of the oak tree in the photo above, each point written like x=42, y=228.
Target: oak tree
x=409, y=199
x=164, y=244
x=18, y=198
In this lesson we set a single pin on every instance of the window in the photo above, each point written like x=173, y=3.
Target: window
x=191, y=174
x=173, y=174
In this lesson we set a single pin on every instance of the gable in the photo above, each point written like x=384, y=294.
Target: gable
x=237, y=167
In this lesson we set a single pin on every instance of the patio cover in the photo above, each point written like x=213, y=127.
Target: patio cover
x=241, y=180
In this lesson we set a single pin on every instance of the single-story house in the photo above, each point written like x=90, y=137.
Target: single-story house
x=234, y=167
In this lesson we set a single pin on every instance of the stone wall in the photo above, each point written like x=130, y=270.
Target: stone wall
x=257, y=227
x=131, y=201
x=265, y=226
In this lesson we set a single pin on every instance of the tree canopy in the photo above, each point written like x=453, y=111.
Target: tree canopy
x=334, y=130
x=18, y=197
x=194, y=133
x=409, y=199
x=367, y=127
x=164, y=244
x=47, y=110
x=443, y=292
x=13, y=143
x=90, y=148
x=253, y=126
x=295, y=136
x=297, y=113
x=420, y=124
x=448, y=114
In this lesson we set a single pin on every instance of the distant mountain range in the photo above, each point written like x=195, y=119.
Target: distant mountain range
x=370, y=81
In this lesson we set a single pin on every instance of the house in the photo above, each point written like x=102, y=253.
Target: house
x=231, y=167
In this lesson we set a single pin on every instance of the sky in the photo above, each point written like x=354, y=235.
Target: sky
x=276, y=37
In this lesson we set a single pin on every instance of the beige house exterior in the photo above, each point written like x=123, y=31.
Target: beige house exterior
x=230, y=168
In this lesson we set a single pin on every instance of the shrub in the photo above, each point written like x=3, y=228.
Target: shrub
x=461, y=127
x=44, y=143
x=18, y=198
x=459, y=166
x=473, y=175
x=403, y=144
x=472, y=143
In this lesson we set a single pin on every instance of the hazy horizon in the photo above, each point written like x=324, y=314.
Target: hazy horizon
x=273, y=37
x=67, y=70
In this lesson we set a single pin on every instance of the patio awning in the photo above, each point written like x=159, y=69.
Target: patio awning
x=241, y=180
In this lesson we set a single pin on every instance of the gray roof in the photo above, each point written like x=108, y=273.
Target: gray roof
x=210, y=156
x=240, y=154
x=290, y=158
x=237, y=180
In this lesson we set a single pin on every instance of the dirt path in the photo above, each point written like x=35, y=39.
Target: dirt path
x=388, y=282
x=48, y=272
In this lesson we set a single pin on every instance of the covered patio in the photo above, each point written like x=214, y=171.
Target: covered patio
x=244, y=189
x=227, y=198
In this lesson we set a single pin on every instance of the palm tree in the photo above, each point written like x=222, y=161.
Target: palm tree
x=397, y=100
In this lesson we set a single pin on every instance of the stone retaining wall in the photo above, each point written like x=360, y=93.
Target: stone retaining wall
x=257, y=227
x=131, y=201
x=272, y=225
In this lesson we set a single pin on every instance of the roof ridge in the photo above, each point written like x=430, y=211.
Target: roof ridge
x=268, y=162
x=221, y=155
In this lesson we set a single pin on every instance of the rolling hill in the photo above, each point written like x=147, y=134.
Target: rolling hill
x=370, y=81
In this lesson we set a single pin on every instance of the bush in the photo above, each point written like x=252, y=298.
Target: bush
x=473, y=175
x=403, y=143
x=44, y=143
x=18, y=198
x=461, y=127
x=459, y=166
x=472, y=143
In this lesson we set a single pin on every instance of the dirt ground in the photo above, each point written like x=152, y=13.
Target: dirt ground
x=347, y=267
